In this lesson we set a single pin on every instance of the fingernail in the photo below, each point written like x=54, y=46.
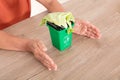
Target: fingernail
x=88, y=22
x=49, y=69
x=55, y=68
x=92, y=37
x=99, y=36
x=52, y=62
x=44, y=49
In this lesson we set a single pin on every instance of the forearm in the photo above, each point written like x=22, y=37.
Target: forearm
x=52, y=5
x=10, y=42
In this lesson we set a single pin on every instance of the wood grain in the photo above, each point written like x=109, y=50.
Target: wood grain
x=87, y=59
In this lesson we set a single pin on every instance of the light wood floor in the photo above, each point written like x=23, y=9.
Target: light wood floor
x=87, y=59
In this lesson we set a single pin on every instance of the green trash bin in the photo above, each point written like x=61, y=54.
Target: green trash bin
x=62, y=40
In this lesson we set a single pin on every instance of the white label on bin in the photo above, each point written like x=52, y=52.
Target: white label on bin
x=66, y=40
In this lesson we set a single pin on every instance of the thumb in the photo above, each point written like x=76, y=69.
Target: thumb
x=42, y=46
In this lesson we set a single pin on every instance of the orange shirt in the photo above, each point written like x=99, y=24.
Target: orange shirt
x=13, y=11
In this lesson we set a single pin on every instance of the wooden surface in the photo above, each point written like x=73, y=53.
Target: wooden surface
x=87, y=59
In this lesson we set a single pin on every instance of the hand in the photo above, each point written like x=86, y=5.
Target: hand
x=38, y=48
x=87, y=29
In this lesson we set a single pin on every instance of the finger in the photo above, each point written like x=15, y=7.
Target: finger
x=89, y=33
x=51, y=66
x=40, y=56
x=80, y=29
x=95, y=32
x=44, y=61
x=47, y=61
x=98, y=35
x=43, y=57
x=50, y=62
x=94, y=29
x=83, y=29
x=87, y=29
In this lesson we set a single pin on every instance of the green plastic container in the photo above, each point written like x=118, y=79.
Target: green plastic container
x=60, y=39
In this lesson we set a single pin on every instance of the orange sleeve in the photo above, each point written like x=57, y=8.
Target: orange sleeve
x=13, y=11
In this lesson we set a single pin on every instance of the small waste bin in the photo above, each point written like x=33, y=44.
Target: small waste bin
x=62, y=40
